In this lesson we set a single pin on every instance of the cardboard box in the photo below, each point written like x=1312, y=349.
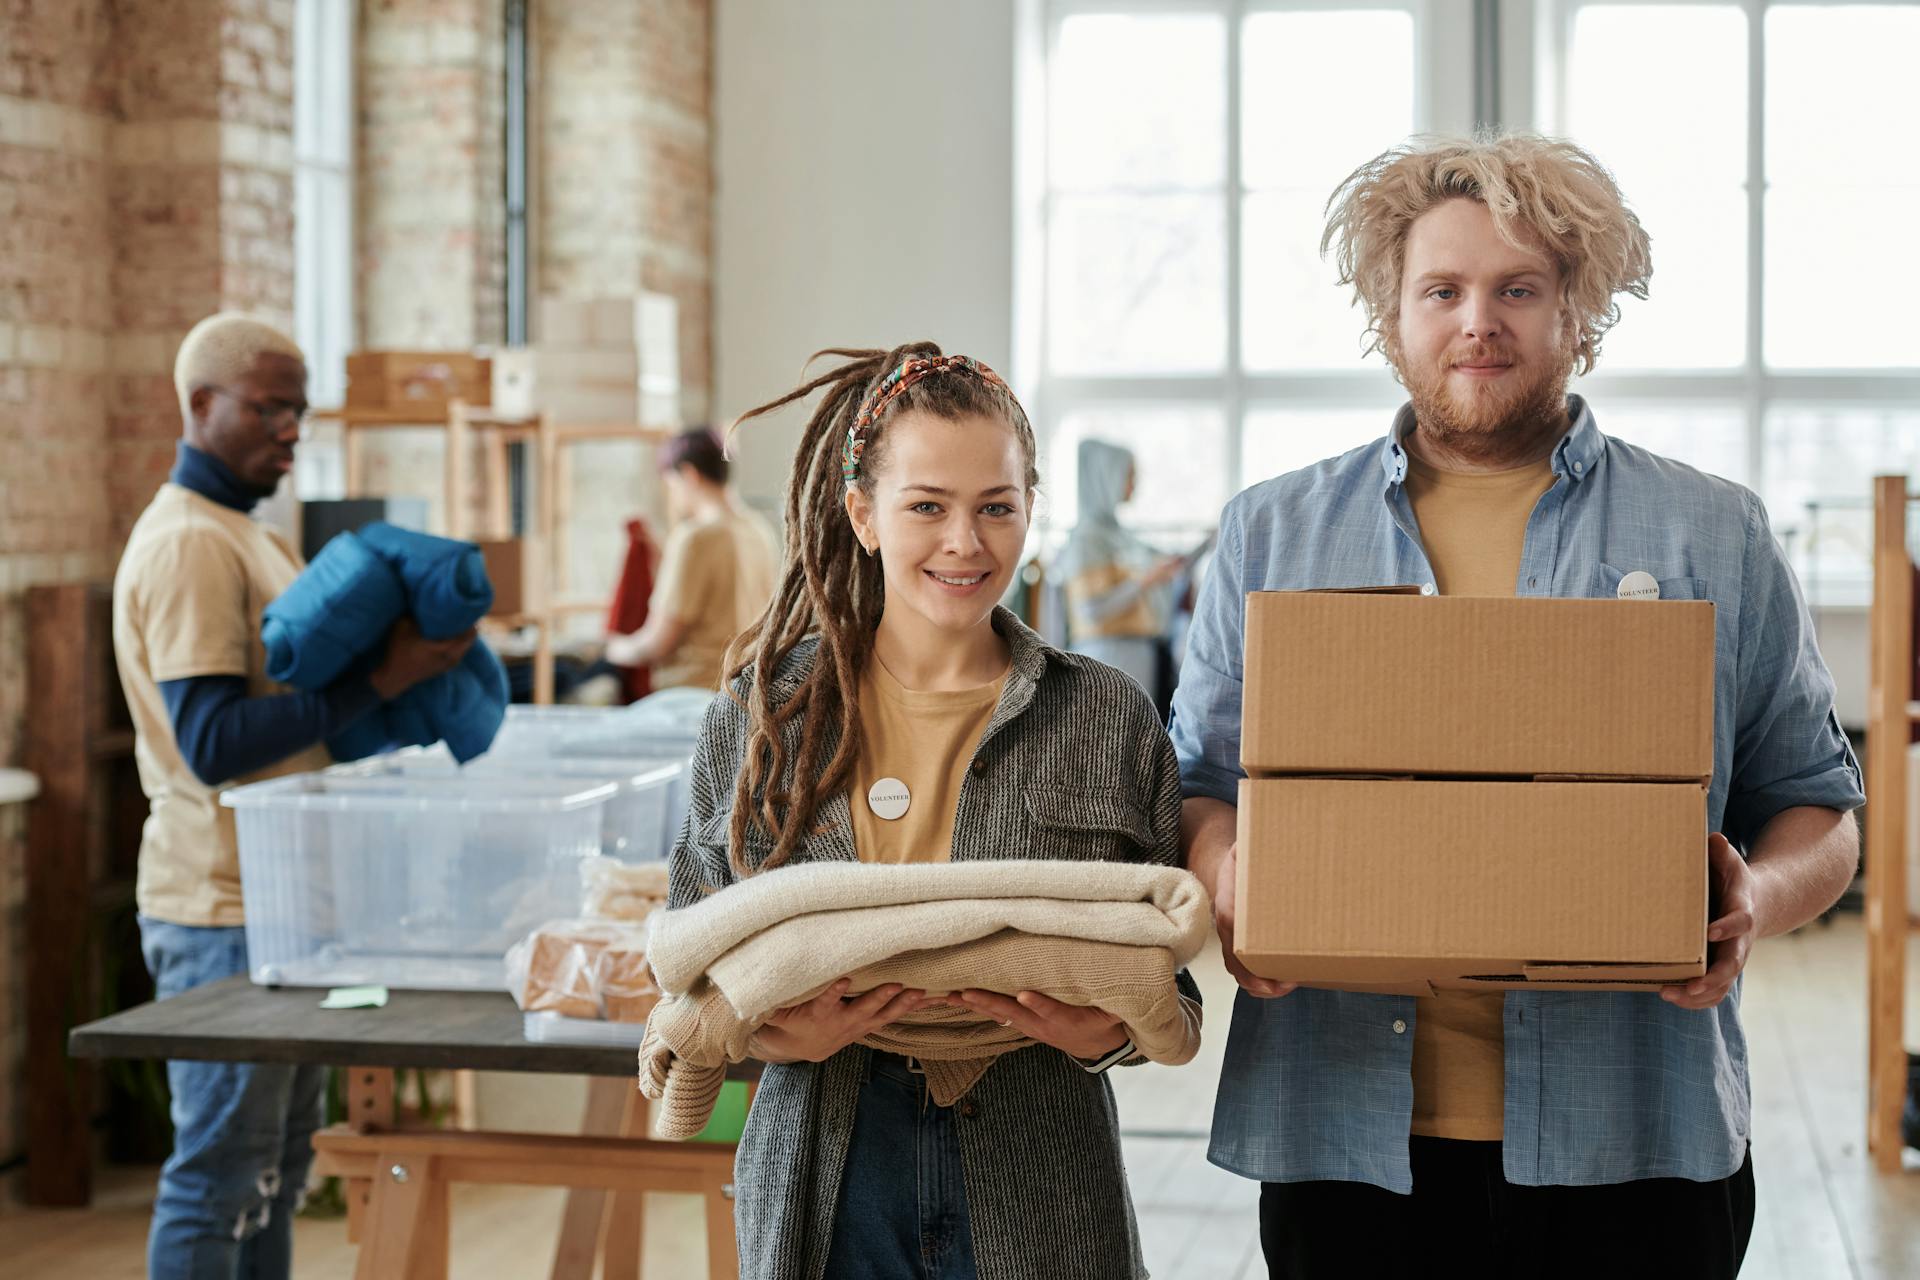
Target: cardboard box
x=1403, y=886
x=417, y=379
x=574, y=385
x=512, y=568
x=1368, y=682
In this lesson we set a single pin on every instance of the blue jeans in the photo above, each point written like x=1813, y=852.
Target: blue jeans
x=903, y=1200
x=242, y=1135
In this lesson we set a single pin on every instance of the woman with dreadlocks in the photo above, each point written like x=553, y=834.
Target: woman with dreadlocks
x=884, y=709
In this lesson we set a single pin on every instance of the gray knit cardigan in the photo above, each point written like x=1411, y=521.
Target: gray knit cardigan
x=1073, y=764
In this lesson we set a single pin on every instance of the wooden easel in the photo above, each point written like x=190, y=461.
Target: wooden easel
x=1891, y=713
x=397, y=1184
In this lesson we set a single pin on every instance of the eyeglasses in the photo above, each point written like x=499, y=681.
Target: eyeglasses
x=269, y=412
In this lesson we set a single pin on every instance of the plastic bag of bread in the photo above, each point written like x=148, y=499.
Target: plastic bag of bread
x=618, y=891
x=627, y=989
x=556, y=967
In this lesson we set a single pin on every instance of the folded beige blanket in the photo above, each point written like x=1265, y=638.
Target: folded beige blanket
x=1107, y=935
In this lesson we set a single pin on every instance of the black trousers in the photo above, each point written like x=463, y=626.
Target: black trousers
x=1465, y=1219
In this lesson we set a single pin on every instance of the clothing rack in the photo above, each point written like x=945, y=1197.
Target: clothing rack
x=1891, y=715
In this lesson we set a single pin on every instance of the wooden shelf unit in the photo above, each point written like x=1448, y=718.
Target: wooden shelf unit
x=1890, y=718
x=465, y=424
x=83, y=843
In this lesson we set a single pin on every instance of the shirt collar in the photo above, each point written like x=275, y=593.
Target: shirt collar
x=1575, y=457
x=212, y=479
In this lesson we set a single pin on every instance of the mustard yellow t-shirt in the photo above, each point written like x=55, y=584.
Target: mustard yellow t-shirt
x=1474, y=528
x=716, y=575
x=187, y=600
x=924, y=740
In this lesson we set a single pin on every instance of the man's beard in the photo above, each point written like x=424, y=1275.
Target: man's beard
x=1491, y=421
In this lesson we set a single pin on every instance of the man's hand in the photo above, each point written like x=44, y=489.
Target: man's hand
x=828, y=1023
x=412, y=658
x=1223, y=905
x=1735, y=890
x=1073, y=1029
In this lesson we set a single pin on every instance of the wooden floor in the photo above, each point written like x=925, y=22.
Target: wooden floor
x=1822, y=1211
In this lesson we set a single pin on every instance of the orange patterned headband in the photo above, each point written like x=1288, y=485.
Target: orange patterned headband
x=891, y=388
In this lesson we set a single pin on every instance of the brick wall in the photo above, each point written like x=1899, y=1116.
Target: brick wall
x=624, y=162
x=145, y=182
x=430, y=173
x=623, y=202
x=430, y=212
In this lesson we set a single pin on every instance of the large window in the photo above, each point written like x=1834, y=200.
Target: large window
x=323, y=138
x=1765, y=148
x=1178, y=158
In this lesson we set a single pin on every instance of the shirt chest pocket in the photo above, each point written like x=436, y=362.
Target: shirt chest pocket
x=1086, y=824
x=1606, y=585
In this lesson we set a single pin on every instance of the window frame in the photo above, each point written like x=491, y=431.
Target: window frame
x=325, y=40
x=1445, y=35
x=1753, y=388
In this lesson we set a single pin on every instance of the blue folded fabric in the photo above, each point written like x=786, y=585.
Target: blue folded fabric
x=343, y=604
x=446, y=581
x=339, y=611
x=463, y=708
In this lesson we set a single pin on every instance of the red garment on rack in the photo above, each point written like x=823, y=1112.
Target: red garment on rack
x=628, y=612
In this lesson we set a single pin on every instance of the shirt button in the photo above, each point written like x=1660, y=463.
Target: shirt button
x=979, y=768
x=1399, y=1026
x=968, y=1111
x=1427, y=589
x=1578, y=467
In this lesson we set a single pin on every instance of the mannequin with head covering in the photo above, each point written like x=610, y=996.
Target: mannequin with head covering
x=1119, y=593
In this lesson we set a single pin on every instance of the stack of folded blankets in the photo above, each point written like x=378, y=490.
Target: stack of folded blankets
x=1102, y=934
x=335, y=617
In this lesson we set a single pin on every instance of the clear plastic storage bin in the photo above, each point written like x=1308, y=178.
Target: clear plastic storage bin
x=593, y=731
x=641, y=821
x=407, y=880
x=548, y=1027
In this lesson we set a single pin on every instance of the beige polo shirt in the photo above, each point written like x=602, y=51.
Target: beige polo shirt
x=187, y=600
x=716, y=576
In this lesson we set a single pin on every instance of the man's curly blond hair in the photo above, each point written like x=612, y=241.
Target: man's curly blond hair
x=1544, y=194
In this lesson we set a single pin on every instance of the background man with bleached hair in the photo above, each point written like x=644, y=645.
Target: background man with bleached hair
x=1523, y=1133
x=187, y=599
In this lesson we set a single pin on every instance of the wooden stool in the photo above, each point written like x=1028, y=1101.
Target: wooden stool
x=397, y=1188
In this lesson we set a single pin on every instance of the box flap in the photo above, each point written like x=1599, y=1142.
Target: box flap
x=1369, y=682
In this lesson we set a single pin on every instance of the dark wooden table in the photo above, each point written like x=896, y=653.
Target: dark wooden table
x=237, y=1021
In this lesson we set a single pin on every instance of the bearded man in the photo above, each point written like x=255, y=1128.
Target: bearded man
x=1547, y=1133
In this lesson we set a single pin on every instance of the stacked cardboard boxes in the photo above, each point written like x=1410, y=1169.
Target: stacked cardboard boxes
x=1474, y=793
x=599, y=361
x=416, y=380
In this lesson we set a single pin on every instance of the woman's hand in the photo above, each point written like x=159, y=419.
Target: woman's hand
x=828, y=1023
x=1073, y=1029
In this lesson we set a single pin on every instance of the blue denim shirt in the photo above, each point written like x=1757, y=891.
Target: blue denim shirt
x=1601, y=1087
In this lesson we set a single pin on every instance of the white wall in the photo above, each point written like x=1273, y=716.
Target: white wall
x=864, y=194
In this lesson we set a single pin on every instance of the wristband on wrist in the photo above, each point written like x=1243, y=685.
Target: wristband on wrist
x=1113, y=1059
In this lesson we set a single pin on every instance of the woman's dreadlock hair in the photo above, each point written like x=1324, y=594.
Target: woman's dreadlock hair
x=829, y=586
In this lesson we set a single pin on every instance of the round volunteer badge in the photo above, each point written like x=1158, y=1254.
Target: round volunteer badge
x=889, y=798
x=1638, y=585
